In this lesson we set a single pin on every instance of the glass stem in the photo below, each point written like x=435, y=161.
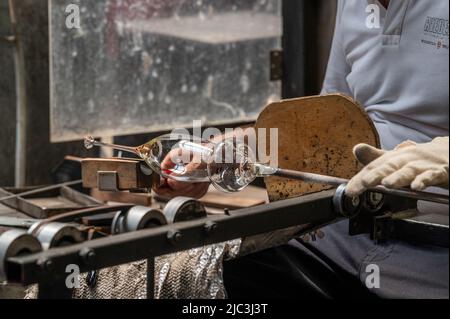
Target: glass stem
x=128, y=149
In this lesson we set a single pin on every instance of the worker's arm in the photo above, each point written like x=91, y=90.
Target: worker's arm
x=410, y=165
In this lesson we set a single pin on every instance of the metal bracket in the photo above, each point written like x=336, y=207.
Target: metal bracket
x=276, y=65
x=382, y=228
x=410, y=227
x=107, y=181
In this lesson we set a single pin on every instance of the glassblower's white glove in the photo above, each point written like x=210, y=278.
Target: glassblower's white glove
x=410, y=165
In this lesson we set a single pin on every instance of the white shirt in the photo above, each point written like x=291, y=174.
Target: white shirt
x=398, y=72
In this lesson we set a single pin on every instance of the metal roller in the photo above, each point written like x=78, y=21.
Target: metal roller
x=183, y=209
x=374, y=201
x=346, y=206
x=141, y=217
x=15, y=243
x=57, y=235
x=117, y=225
x=137, y=218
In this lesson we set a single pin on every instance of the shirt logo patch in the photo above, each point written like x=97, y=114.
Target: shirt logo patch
x=436, y=26
x=436, y=33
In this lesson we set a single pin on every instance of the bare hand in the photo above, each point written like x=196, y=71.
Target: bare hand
x=171, y=188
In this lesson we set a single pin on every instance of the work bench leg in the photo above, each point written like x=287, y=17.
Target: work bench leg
x=151, y=278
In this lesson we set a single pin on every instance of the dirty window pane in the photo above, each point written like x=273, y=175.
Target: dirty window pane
x=138, y=66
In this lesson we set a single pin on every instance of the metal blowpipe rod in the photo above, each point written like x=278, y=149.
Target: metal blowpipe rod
x=90, y=142
x=335, y=181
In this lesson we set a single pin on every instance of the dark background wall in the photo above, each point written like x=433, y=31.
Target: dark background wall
x=308, y=32
x=41, y=156
x=320, y=17
x=7, y=100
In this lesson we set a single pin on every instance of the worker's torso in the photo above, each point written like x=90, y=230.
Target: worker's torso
x=399, y=71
